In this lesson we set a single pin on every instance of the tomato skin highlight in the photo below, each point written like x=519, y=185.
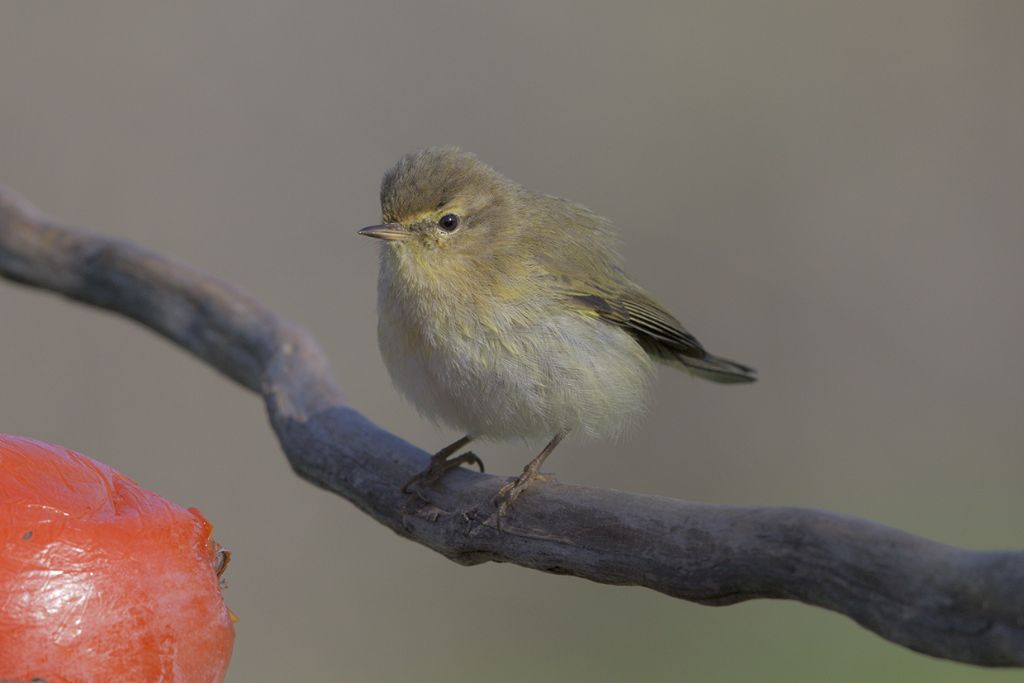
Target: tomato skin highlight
x=102, y=580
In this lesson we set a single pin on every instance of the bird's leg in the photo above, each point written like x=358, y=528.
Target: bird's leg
x=508, y=493
x=440, y=463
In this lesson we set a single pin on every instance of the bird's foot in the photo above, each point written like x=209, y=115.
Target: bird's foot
x=439, y=465
x=508, y=493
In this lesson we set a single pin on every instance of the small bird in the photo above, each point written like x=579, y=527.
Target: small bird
x=505, y=313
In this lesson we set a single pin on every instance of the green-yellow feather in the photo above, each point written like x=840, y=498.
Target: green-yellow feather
x=520, y=246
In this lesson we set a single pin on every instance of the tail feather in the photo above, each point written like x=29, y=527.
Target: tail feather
x=718, y=369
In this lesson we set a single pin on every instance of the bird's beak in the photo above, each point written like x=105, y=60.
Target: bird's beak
x=388, y=231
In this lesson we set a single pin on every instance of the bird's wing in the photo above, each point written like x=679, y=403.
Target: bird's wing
x=653, y=327
x=582, y=257
x=656, y=330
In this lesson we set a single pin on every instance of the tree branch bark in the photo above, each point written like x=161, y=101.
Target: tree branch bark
x=937, y=599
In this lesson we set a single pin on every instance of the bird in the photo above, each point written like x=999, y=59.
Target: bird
x=505, y=313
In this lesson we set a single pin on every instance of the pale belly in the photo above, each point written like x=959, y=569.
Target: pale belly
x=569, y=373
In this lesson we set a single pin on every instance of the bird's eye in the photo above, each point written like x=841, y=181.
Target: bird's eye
x=448, y=222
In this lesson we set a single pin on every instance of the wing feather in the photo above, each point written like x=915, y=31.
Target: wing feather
x=654, y=327
x=660, y=334
x=583, y=256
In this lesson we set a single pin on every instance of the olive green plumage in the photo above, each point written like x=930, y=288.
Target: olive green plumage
x=506, y=313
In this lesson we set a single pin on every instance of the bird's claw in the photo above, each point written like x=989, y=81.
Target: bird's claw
x=508, y=493
x=438, y=468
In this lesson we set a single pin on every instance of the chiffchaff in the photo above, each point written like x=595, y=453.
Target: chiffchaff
x=504, y=313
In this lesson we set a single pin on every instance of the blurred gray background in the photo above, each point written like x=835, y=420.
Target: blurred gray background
x=833, y=194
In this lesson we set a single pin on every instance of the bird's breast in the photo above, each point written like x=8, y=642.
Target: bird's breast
x=496, y=363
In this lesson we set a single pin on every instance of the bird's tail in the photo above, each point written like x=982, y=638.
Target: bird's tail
x=718, y=369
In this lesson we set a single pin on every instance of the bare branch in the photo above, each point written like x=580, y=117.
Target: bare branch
x=944, y=601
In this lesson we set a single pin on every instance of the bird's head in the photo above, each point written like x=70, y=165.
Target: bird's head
x=442, y=202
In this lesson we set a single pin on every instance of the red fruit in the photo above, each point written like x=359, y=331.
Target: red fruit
x=101, y=580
